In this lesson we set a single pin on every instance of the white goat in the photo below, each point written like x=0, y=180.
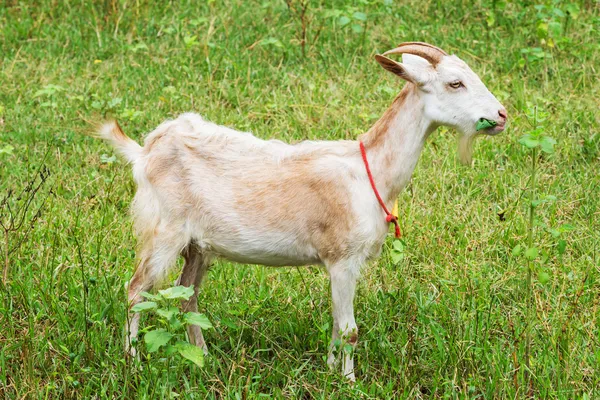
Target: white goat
x=205, y=190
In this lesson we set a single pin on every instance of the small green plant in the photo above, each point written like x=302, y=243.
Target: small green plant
x=398, y=251
x=349, y=16
x=553, y=22
x=131, y=114
x=190, y=40
x=20, y=212
x=356, y=20
x=49, y=93
x=168, y=336
x=341, y=346
x=299, y=10
x=534, y=140
x=271, y=41
x=6, y=149
x=531, y=55
x=105, y=159
x=103, y=104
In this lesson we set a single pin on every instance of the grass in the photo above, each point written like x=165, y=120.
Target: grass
x=449, y=320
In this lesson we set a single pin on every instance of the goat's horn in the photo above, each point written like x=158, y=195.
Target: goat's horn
x=427, y=51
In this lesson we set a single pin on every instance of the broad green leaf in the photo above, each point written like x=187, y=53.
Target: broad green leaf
x=566, y=228
x=114, y=102
x=190, y=41
x=543, y=277
x=547, y=144
x=562, y=246
x=545, y=256
x=554, y=232
x=193, y=353
x=537, y=132
x=337, y=343
x=343, y=21
x=398, y=245
x=357, y=28
x=170, y=349
x=516, y=250
x=49, y=90
x=167, y=313
x=6, y=149
x=144, y=306
x=555, y=28
x=528, y=141
x=531, y=253
x=177, y=292
x=151, y=296
x=156, y=338
x=572, y=9
x=542, y=29
x=397, y=252
x=360, y=16
x=105, y=159
x=348, y=349
x=490, y=18
x=271, y=41
x=195, y=318
x=397, y=257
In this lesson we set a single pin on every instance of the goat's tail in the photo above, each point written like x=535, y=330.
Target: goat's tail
x=128, y=148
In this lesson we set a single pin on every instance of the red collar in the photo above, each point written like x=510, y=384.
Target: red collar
x=389, y=217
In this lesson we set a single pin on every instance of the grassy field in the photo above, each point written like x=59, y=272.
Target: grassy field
x=452, y=315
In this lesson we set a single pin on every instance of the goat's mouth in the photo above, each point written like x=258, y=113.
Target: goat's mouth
x=490, y=127
x=496, y=129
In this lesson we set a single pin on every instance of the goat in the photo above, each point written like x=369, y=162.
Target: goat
x=206, y=190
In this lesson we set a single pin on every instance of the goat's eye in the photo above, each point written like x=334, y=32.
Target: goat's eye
x=456, y=84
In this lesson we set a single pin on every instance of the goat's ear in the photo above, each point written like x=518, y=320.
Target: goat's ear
x=406, y=72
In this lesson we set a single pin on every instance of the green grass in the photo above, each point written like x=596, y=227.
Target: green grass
x=447, y=321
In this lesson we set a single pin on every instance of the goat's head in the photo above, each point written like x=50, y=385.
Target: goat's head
x=453, y=95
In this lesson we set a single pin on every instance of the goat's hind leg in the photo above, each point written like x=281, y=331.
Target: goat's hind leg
x=140, y=282
x=196, y=265
x=156, y=257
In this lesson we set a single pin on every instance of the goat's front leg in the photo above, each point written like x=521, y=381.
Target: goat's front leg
x=343, y=286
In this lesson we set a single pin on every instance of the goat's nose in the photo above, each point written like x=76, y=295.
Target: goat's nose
x=502, y=113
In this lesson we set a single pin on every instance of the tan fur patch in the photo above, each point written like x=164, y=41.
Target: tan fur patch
x=119, y=134
x=304, y=203
x=376, y=136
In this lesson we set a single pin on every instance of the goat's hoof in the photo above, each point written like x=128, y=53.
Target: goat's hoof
x=131, y=353
x=202, y=345
x=204, y=349
x=332, y=361
x=350, y=376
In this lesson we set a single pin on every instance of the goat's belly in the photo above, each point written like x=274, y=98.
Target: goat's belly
x=272, y=260
x=264, y=253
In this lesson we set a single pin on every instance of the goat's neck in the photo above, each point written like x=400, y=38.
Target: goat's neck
x=395, y=142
